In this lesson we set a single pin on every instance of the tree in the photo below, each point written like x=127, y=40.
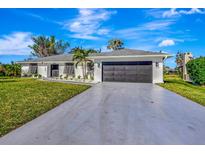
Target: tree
x=80, y=55
x=166, y=70
x=94, y=51
x=196, y=70
x=12, y=69
x=2, y=70
x=115, y=44
x=47, y=46
x=179, y=62
x=73, y=50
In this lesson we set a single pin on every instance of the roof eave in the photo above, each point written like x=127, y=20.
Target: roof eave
x=40, y=62
x=130, y=56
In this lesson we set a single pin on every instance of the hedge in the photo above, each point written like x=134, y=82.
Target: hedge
x=196, y=70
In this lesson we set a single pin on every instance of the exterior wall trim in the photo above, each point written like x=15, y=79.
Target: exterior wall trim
x=130, y=56
x=46, y=62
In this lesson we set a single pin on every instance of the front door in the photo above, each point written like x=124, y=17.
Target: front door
x=54, y=70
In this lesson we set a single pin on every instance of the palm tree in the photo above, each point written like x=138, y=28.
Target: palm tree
x=179, y=62
x=115, y=44
x=80, y=56
x=47, y=46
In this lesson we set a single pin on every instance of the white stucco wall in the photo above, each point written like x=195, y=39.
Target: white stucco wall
x=78, y=71
x=157, y=72
x=48, y=70
x=61, y=69
x=98, y=71
x=45, y=69
x=42, y=70
x=24, y=69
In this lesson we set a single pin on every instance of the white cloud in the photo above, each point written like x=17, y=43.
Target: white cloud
x=88, y=23
x=15, y=43
x=167, y=42
x=145, y=31
x=104, y=49
x=156, y=13
x=174, y=12
x=192, y=11
x=157, y=25
x=84, y=36
x=169, y=13
x=103, y=31
x=36, y=16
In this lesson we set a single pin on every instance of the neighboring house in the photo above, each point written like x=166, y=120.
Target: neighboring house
x=169, y=71
x=186, y=58
x=124, y=65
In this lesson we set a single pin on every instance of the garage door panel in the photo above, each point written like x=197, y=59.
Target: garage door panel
x=131, y=73
x=108, y=73
x=131, y=78
x=119, y=78
x=143, y=78
x=108, y=78
x=119, y=68
x=127, y=72
x=119, y=72
x=108, y=68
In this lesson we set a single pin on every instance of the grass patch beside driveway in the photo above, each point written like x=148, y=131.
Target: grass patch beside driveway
x=22, y=100
x=183, y=88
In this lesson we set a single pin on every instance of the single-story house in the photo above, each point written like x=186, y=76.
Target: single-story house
x=124, y=65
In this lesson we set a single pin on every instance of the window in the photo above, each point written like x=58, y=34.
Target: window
x=69, y=69
x=90, y=66
x=33, y=68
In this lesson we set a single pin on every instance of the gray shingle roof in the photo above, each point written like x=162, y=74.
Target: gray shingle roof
x=63, y=57
x=127, y=52
x=121, y=52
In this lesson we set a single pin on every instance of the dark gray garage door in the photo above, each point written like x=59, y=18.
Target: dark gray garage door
x=127, y=71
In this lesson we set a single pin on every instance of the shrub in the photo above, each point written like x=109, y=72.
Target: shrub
x=92, y=78
x=79, y=77
x=196, y=70
x=35, y=75
x=66, y=77
x=39, y=76
x=86, y=76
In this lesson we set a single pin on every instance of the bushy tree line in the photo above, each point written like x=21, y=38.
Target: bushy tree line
x=196, y=70
x=10, y=70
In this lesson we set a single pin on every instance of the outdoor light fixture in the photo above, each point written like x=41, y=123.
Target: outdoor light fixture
x=157, y=64
x=98, y=64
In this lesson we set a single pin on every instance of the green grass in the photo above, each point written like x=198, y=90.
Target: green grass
x=22, y=100
x=183, y=88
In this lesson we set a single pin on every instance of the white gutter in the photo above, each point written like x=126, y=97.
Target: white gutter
x=44, y=62
x=129, y=56
x=97, y=57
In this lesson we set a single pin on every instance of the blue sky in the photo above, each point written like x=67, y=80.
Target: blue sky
x=169, y=30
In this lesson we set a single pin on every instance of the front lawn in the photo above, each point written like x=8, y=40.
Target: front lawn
x=188, y=90
x=22, y=100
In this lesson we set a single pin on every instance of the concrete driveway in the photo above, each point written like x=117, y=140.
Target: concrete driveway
x=117, y=113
